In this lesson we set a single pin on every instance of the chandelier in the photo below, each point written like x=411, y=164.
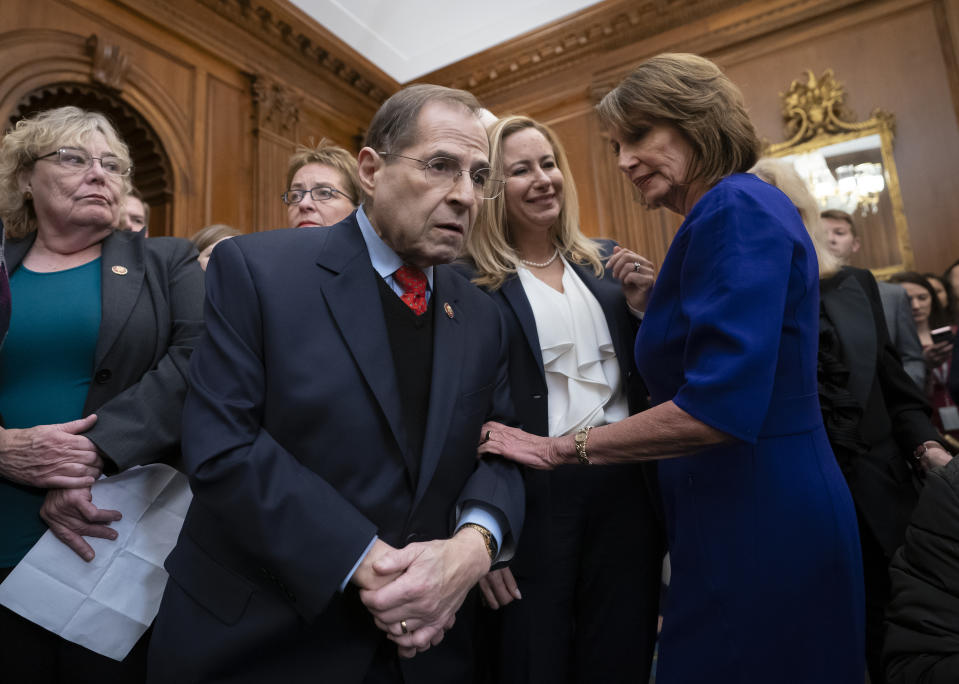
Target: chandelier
x=852, y=188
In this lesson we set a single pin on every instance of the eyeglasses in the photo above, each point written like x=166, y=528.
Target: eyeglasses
x=75, y=160
x=443, y=171
x=321, y=193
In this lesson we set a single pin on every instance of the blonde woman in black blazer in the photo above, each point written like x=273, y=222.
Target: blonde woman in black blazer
x=579, y=601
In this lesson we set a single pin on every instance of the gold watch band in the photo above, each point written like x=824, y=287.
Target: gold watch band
x=581, y=437
x=488, y=538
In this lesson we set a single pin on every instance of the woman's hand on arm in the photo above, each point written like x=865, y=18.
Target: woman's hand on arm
x=51, y=456
x=71, y=515
x=664, y=431
x=636, y=273
x=542, y=453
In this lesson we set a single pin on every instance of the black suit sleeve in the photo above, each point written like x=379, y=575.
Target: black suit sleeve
x=907, y=407
x=497, y=484
x=922, y=639
x=274, y=509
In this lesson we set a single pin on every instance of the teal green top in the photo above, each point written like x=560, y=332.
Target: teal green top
x=46, y=365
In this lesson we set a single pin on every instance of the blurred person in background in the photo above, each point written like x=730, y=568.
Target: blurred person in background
x=842, y=241
x=135, y=215
x=937, y=349
x=207, y=238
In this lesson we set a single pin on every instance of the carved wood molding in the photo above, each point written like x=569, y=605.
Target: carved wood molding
x=110, y=64
x=280, y=26
x=276, y=107
x=603, y=28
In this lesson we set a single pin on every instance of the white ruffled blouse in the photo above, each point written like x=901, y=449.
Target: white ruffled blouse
x=583, y=377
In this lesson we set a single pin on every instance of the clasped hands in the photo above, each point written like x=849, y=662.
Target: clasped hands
x=413, y=593
x=60, y=459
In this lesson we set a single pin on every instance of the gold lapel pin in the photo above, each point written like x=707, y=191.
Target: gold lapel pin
x=119, y=270
x=448, y=309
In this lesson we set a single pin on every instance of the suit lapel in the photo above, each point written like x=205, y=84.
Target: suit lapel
x=122, y=274
x=448, y=359
x=850, y=311
x=353, y=297
x=516, y=297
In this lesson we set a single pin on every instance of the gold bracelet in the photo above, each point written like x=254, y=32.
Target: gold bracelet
x=581, y=437
x=488, y=538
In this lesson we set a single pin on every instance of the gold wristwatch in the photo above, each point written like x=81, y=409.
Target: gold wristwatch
x=488, y=538
x=581, y=438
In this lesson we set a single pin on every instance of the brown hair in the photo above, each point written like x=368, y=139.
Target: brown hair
x=489, y=244
x=938, y=317
x=394, y=128
x=331, y=155
x=40, y=134
x=691, y=93
x=210, y=235
x=840, y=215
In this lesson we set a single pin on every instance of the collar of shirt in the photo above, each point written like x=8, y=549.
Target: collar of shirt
x=385, y=260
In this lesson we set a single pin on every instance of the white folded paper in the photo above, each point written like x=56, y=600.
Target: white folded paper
x=107, y=604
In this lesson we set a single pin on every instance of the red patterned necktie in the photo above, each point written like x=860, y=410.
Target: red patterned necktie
x=413, y=281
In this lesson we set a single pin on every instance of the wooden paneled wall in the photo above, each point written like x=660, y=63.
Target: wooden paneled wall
x=898, y=55
x=228, y=88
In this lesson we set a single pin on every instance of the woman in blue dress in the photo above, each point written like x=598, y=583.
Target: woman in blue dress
x=766, y=570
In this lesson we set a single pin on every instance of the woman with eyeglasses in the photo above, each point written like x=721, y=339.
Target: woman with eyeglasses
x=589, y=560
x=323, y=186
x=93, y=370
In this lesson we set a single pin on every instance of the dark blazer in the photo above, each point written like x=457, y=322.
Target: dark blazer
x=895, y=417
x=151, y=318
x=902, y=331
x=528, y=385
x=922, y=637
x=297, y=453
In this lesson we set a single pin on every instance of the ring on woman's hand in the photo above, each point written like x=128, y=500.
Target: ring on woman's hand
x=403, y=627
x=489, y=434
x=636, y=267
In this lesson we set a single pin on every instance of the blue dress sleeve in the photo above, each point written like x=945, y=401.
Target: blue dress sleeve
x=734, y=281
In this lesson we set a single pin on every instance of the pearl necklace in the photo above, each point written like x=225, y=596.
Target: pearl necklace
x=543, y=264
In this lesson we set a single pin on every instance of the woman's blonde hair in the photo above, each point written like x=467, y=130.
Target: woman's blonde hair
x=691, y=93
x=334, y=156
x=36, y=136
x=781, y=174
x=489, y=244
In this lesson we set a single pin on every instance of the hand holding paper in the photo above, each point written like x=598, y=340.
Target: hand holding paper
x=70, y=513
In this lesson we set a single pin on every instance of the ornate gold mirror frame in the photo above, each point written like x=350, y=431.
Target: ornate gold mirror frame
x=848, y=165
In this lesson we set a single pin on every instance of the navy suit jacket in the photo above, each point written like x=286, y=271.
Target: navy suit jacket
x=297, y=455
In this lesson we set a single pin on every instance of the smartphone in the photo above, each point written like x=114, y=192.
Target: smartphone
x=943, y=334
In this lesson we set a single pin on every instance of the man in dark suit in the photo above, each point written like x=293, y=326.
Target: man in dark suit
x=842, y=242
x=340, y=515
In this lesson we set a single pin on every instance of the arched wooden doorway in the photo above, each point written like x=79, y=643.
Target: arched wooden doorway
x=151, y=164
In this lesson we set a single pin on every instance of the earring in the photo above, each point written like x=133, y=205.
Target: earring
x=27, y=196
